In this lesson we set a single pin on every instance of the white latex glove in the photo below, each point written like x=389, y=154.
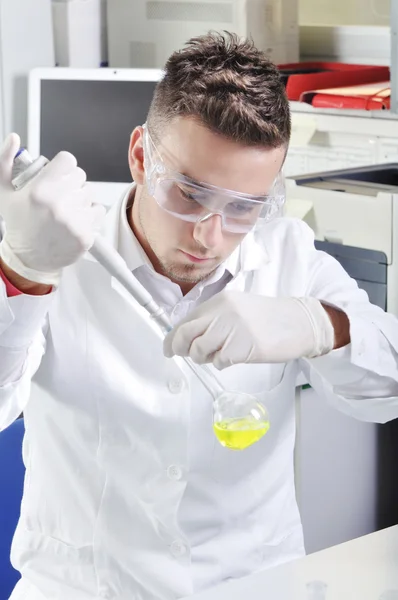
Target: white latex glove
x=235, y=327
x=51, y=222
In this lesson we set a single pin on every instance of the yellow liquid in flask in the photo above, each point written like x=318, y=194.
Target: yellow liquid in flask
x=239, y=434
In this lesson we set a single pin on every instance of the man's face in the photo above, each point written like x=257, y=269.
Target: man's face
x=183, y=251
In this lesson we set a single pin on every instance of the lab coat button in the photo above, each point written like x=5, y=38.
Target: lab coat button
x=174, y=472
x=178, y=549
x=175, y=385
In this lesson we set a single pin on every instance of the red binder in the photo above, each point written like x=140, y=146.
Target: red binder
x=318, y=75
x=361, y=97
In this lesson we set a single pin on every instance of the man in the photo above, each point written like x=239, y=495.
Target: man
x=128, y=493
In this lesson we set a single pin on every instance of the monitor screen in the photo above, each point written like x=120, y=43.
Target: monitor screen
x=93, y=120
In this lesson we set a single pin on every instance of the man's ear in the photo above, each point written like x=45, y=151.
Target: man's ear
x=136, y=156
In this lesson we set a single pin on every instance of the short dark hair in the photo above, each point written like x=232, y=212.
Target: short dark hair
x=229, y=86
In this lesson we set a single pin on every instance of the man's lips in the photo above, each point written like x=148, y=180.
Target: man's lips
x=196, y=259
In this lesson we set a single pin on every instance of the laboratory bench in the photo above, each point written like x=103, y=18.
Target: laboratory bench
x=362, y=569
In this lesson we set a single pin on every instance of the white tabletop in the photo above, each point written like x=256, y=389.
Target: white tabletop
x=363, y=569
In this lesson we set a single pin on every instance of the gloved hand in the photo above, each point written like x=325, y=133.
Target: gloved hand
x=236, y=327
x=51, y=222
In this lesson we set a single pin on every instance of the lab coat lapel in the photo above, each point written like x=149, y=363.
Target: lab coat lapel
x=110, y=229
x=110, y=232
x=252, y=257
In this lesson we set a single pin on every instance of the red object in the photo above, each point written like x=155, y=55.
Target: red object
x=306, y=76
x=10, y=289
x=353, y=102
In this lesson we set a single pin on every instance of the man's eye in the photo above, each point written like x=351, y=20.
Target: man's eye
x=241, y=207
x=189, y=194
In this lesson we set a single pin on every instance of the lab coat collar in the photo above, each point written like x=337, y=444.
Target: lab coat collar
x=254, y=255
x=250, y=255
x=110, y=229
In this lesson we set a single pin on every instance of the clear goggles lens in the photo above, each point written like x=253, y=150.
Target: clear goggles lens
x=192, y=201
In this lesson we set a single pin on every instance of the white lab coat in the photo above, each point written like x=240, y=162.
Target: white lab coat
x=128, y=493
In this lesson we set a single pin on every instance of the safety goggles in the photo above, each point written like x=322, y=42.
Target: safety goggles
x=194, y=201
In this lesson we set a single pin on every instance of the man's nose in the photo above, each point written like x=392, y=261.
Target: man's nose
x=208, y=231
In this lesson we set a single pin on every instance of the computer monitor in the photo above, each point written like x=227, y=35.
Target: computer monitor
x=90, y=113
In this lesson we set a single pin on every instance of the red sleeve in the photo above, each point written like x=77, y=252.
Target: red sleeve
x=10, y=289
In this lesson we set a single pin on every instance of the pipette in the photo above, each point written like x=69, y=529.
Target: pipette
x=239, y=419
